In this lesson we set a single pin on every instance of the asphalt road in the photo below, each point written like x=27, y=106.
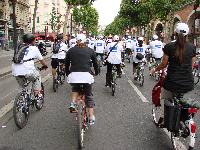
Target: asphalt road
x=123, y=122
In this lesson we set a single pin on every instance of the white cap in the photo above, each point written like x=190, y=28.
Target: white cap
x=182, y=28
x=81, y=37
x=141, y=39
x=129, y=37
x=116, y=38
x=155, y=37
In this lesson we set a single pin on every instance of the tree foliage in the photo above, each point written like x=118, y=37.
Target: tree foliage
x=87, y=16
x=55, y=19
x=78, y=2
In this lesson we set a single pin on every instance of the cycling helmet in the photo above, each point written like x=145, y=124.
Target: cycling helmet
x=59, y=37
x=155, y=37
x=129, y=37
x=140, y=39
x=182, y=28
x=116, y=38
x=28, y=38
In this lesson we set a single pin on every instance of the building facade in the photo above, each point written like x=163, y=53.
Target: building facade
x=43, y=15
x=6, y=21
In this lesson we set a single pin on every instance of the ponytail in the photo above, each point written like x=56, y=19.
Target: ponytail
x=180, y=47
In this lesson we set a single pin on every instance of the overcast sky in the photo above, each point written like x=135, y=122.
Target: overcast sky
x=107, y=10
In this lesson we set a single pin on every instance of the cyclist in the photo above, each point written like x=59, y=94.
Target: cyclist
x=114, y=50
x=156, y=47
x=72, y=41
x=91, y=43
x=77, y=69
x=138, y=54
x=27, y=68
x=100, y=47
x=59, y=53
x=180, y=57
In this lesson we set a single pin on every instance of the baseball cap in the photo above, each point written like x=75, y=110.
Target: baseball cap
x=81, y=38
x=182, y=28
x=155, y=37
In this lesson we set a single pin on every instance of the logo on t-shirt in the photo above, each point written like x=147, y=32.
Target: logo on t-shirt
x=158, y=46
x=113, y=49
x=99, y=44
x=139, y=49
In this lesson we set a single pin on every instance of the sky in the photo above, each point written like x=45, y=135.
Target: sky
x=107, y=10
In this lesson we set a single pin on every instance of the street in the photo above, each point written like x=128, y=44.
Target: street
x=123, y=121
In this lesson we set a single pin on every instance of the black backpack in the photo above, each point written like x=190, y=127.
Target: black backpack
x=19, y=54
x=56, y=47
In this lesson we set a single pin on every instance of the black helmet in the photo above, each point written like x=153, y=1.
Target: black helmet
x=59, y=37
x=28, y=38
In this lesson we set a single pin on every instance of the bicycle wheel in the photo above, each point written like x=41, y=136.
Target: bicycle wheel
x=80, y=125
x=113, y=85
x=20, y=111
x=62, y=78
x=55, y=85
x=39, y=102
x=157, y=114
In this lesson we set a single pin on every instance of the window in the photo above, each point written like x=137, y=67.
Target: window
x=38, y=20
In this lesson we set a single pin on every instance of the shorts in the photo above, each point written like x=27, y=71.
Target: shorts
x=87, y=90
x=55, y=62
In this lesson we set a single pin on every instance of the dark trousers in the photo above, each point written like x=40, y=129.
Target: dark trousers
x=109, y=72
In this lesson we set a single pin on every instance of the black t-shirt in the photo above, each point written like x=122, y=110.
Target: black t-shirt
x=79, y=60
x=179, y=76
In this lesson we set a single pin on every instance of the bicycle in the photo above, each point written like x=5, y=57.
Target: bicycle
x=178, y=114
x=60, y=77
x=81, y=117
x=24, y=100
x=140, y=73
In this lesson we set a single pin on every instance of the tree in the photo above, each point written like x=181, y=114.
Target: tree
x=88, y=17
x=34, y=16
x=55, y=19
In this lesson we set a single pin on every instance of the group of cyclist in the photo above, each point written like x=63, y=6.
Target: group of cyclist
x=76, y=58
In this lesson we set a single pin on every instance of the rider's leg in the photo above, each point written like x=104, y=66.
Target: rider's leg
x=109, y=74
x=119, y=72
x=89, y=101
x=54, y=64
x=74, y=96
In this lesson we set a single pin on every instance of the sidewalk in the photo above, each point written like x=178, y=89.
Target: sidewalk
x=9, y=54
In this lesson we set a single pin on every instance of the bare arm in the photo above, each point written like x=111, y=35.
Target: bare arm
x=43, y=62
x=162, y=65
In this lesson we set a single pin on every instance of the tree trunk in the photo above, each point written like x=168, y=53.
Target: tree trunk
x=66, y=21
x=14, y=26
x=34, y=16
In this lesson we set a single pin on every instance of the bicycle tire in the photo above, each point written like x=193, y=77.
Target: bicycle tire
x=80, y=126
x=141, y=80
x=62, y=79
x=24, y=111
x=55, y=85
x=196, y=77
x=39, y=105
x=113, y=87
x=156, y=114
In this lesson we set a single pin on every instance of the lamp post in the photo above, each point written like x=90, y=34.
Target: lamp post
x=14, y=26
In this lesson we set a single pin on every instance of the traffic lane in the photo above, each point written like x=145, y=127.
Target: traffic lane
x=122, y=122
x=5, y=61
x=149, y=83
x=9, y=86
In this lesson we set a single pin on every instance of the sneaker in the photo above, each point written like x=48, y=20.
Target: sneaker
x=72, y=107
x=92, y=121
x=135, y=76
x=107, y=85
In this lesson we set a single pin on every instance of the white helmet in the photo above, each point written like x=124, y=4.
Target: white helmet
x=129, y=37
x=182, y=28
x=82, y=38
x=155, y=37
x=116, y=38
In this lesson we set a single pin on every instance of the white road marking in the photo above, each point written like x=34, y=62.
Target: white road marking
x=138, y=92
x=9, y=106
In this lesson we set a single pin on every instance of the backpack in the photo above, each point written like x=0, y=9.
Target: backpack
x=56, y=48
x=19, y=54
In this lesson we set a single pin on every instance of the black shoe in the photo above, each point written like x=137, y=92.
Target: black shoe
x=108, y=85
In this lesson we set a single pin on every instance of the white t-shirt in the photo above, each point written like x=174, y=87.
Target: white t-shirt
x=80, y=77
x=27, y=67
x=136, y=50
x=115, y=54
x=156, y=49
x=100, y=46
x=72, y=42
x=91, y=44
x=62, y=52
x=129, y=44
